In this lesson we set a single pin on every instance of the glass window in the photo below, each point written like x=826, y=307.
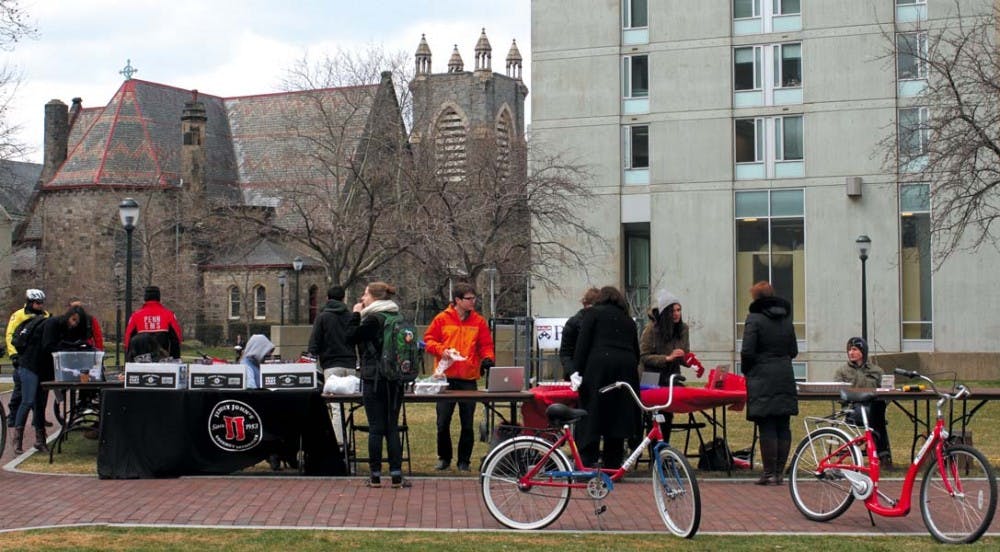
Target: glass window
x=786, y=7
x=637, y=266
x=901, y=2
x=911, y=56
x=788, y=137
x=637, y=147
x=788, y=65
x=260, y=302
x=770, y=245
x=746, y=68
x=636, y=76
x=635, y=13
x=749, y=140
x=234, y=302
x=913, y=131
x=746, y=8
x=915, y=261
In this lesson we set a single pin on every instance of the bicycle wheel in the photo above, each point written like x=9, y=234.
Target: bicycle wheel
x=822, y=496
x=675, y=490
x=3, y=430
x=964, y=515
x=528, y=506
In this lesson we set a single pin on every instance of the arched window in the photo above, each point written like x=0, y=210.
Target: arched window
x=313, y=302
x=259, y=302
x=449, y=145
x=234, y=303
x=504, y=131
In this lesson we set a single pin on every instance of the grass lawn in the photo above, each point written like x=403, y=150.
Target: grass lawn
x=104, y=538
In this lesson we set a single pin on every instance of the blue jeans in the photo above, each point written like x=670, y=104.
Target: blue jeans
x=15, y=397
x=33, y=398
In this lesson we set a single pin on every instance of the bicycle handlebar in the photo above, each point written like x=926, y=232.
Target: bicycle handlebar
x=670, y=392
x=961, y=390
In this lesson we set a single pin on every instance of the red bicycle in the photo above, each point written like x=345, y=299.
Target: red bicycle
x=526, y=480
x=837, y=462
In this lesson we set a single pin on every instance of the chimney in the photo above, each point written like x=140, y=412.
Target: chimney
x=193, y=122
x=56, y=138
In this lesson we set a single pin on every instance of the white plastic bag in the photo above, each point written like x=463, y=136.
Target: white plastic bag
x=449, y=356
x=342, y=385
x=575, y=379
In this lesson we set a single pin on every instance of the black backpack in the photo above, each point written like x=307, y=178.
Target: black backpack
x=22, y=334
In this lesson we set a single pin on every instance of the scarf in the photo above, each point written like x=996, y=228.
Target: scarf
x=381, y=305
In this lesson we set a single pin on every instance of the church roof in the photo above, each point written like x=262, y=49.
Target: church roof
x=250, y=141
x=262, y=253
x=17, y=182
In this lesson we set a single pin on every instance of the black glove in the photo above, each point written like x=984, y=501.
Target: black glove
x=485, y=365
x=13, y=360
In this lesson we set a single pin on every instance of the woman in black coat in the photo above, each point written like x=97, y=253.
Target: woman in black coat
x=607, y=350
x=769, y=346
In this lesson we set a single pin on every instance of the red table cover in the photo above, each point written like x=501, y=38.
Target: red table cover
x=686, y=399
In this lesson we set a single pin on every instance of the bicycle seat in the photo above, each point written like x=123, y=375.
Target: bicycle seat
x=857, y=396
x=559, y=414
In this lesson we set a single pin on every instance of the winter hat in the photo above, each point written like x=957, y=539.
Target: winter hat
x=664, y=299
x=861, y=344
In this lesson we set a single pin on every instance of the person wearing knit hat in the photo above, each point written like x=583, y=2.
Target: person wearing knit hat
x=664, y=345
x=859, y=372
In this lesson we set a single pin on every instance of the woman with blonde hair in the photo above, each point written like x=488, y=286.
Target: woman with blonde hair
x=769, y=345
x=381, y=398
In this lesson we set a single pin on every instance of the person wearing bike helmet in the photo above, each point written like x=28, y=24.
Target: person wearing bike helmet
x=34, y=305
x=859, y=372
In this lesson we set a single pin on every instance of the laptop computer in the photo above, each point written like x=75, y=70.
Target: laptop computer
x=505, y=378
x=650, y=379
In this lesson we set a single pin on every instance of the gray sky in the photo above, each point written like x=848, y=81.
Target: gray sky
x=232, y=47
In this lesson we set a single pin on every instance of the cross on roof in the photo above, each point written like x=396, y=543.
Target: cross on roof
x=128, y=70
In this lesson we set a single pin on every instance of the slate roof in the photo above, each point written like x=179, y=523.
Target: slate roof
x=262, y=253
x=17, y=182
x=253, y=144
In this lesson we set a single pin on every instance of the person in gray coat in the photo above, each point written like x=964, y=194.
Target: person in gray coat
x=769, y=346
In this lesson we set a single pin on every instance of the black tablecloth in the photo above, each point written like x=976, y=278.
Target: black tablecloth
x=156, y=433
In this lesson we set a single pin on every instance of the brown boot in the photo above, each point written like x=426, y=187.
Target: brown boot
x=40, y=444
x=768, y=449
x=17, y=443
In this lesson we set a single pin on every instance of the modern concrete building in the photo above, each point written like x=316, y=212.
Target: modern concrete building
x=739, y=140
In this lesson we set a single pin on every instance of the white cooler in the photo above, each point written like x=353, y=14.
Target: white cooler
x=216, y=376
x=293, y=375
x=155, y=375
x=70, y=364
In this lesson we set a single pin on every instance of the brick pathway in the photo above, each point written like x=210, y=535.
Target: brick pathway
x=728, y=505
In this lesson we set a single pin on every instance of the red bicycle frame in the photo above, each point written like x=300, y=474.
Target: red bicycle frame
x=899, y=507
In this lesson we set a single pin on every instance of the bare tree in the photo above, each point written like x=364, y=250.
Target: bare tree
x=950, y=139
x=13, y=27
x=501, y=215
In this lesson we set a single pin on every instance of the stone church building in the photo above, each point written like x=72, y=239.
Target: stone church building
x=209, y=174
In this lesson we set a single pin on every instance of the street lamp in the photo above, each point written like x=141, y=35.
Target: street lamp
x=282, y=279
x=128, y=211
x=864, y=244
x=297, y=265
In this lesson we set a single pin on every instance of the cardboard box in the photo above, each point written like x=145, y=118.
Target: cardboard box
x=217, y=376
x=299, y=375
x=70, y=364
x=155, y=375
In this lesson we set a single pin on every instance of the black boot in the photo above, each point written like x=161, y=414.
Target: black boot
x=768, y=450
x=17, y=443
x=781, y=458
x=40, y=444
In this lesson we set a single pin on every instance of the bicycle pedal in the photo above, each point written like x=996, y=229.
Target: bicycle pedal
x=601, y=510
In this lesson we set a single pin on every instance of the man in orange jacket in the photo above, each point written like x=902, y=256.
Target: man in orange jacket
x=460, y=337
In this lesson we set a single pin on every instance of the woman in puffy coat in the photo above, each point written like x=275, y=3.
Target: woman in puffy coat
x=607, y=350
x=769, y=345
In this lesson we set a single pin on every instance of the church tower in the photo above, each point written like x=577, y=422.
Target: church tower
x=454, y=109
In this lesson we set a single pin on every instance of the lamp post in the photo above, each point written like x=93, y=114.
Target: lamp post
x=297, y=265
x=128, y=211
x=864, y=244
x=282, y=279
